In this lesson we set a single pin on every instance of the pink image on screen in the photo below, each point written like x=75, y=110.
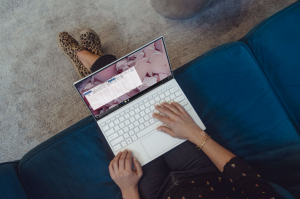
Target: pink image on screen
x=151, y=64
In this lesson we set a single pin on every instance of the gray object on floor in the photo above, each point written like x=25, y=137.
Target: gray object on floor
x=179, y=9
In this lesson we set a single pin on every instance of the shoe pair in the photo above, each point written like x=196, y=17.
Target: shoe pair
x=89, y=40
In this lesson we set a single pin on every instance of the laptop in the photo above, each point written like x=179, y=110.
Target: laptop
x=121, y=97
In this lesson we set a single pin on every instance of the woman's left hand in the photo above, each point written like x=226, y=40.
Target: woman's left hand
x=121, y=171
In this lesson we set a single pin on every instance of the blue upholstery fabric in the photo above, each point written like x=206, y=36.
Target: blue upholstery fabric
x=276, y=45
x=10, y=183
x=235, y=101
x=72, y=164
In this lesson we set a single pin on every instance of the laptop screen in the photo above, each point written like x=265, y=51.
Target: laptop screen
x=126, y=79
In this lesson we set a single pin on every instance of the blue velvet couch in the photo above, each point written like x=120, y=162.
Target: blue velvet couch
x=247, y=93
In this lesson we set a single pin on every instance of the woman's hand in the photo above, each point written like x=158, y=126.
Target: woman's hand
x=179, y=123
x=121, y=171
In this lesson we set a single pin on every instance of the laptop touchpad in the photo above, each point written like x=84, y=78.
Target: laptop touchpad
x=158, y=143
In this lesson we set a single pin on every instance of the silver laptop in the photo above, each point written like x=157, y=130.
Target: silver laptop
x=121, y=96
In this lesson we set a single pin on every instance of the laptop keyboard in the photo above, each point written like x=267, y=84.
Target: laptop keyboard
x=128, y=126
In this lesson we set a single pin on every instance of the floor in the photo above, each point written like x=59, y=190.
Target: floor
x=37, y=98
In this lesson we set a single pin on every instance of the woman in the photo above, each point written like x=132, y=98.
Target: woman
x=184, y=172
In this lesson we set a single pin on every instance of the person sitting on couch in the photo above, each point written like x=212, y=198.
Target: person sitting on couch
x=184, y=172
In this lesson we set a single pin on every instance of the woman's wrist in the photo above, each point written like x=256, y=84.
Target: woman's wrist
x=131, y=194
x=197, y=137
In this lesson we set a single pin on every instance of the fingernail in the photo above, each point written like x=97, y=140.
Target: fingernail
x=134, y=159
x=158, y=129
x=157, y=106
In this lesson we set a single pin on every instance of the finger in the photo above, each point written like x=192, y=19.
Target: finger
x=111, y=165
x=165, y=111
x=162, y=118
x=111, y=170
x=174, y=109
x=122, y=160
x=138, y=167
x=180, y=108
x=166, y=130
x=128, y=161
x=116, y=162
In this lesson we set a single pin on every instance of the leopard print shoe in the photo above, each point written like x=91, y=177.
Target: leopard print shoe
x=69, y=46
x=90, y=40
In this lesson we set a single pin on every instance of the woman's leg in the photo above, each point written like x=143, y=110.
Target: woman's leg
x=69, y=46
x=186, y=157
x=185, y=161
x=94, y=62
x=87, y=58
x=154, y=176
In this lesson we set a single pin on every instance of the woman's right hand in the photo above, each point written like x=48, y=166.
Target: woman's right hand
x=179, y=123
x=127, y=178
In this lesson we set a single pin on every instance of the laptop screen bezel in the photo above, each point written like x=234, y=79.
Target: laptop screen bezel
x=133, y=98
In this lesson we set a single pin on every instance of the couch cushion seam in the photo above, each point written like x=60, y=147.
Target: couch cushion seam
x=11, y=162
x=289, y=116
x=270, y=86
x=18, y=174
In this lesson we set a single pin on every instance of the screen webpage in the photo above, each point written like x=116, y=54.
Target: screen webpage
x=125, y=79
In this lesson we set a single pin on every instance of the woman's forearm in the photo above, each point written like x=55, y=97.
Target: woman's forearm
x=217, y=154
